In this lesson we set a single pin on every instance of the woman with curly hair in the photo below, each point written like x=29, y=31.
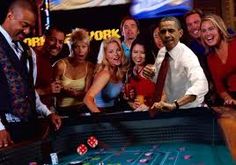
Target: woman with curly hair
x=74, y=72
x=109, y=74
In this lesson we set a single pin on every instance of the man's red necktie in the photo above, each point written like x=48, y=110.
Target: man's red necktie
x=159, y=86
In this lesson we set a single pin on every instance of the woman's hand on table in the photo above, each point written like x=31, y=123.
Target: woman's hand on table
x=142, y=108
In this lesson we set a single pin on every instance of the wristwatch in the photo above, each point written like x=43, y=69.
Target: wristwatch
x=176, y=104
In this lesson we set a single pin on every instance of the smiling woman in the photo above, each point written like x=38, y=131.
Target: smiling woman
x=108, y=78
x=221, y=58
x=139, y=90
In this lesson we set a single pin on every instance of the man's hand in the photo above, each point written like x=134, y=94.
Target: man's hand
x=5, y=139
x=149, y=71
x=56, y=120
x=163, y=106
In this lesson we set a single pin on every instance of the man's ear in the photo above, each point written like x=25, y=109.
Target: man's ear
x=181, y=32
x=10, y=14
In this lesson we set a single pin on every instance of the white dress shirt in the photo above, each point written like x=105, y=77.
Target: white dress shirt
x=184, y=77
x=40, y=107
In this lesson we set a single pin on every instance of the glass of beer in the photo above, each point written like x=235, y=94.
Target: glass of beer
x=140, y=99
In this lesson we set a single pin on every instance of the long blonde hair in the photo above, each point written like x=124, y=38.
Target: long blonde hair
x=218, y=22
x=117, y=72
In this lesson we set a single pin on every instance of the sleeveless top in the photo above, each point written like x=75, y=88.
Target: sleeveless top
x=78, y=84
x=107, y=96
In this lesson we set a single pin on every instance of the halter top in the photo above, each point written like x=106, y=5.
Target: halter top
x=107, y=96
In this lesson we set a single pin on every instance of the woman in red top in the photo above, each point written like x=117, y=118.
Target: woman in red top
x=221, y=58
x=139, y=88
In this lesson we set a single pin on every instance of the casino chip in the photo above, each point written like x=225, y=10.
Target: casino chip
x=130, y=160
x=171, y=158
x=143, y=161
x=82, y=149
x=187, y=157
x=148, y=154
x=92, y=141
x=78, y=162
x=181, y=149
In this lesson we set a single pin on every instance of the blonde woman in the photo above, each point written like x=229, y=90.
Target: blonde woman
x=75, y=72
x=221, y=57
x=108, y=78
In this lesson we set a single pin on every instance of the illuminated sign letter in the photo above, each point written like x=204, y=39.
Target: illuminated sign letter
x=36, y=41
x=114, y=33
x=28, y=41
x=98, y=35
x=106, y=34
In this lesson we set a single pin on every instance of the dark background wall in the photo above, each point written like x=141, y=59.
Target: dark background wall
x=91, y=18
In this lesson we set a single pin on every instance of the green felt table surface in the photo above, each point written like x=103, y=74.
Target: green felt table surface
x=162, y=154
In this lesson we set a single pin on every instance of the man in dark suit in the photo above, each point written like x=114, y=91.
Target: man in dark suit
x=19, y=103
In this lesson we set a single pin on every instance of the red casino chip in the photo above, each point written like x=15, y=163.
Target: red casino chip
x=92, y=141
x=82, y=149
x=187, y=157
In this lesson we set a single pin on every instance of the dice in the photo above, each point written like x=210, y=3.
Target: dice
x=82, y=149
x=92, y=141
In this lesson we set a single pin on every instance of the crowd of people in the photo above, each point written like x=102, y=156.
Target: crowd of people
x=169, y=76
